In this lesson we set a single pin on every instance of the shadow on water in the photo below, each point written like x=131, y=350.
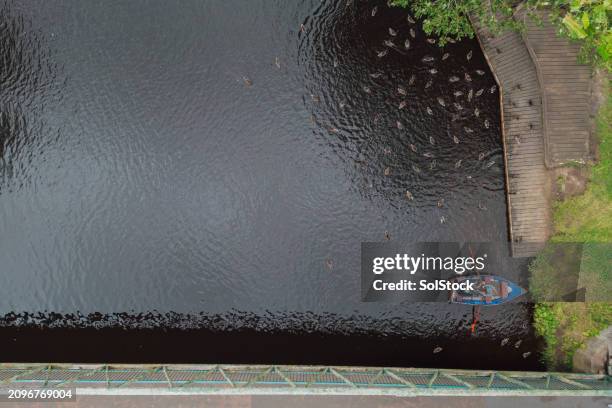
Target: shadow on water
x=242, y=337
x=143, y=180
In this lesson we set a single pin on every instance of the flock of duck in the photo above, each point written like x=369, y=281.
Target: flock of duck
x=460, y=103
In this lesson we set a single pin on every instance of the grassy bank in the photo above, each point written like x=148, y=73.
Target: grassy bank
x=586, y=218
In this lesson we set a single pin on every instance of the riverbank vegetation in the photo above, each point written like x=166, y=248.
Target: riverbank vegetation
x=584, y=20
x=586, y=218
x=566, y=327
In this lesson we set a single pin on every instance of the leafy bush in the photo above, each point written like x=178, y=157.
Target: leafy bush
x=448, y=19
x=566, y=327
x=546, y=324
x=588, y=21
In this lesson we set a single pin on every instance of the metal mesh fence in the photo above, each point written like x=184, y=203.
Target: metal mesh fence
x=305, y=379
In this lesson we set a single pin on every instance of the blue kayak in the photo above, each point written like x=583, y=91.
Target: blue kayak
x=488, y=290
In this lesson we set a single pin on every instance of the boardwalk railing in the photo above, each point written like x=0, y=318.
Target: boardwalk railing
x=233, y=379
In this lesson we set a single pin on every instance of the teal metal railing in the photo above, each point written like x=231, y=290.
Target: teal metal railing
x=101, y=379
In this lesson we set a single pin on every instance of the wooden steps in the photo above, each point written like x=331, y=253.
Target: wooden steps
x=527, y=179
x=566, y=93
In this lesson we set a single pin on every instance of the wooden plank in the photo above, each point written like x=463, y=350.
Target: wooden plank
x=520, y=207
x=526, y=209
x=523, y=109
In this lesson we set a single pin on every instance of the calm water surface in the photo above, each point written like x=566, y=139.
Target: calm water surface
x=201, y=172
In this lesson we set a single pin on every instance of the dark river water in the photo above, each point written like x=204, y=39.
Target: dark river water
x=191, y=182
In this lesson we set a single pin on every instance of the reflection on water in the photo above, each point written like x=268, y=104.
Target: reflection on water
x=210, y=170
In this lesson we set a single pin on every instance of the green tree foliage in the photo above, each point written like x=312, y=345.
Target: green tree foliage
x=588, y=21
x=584, y=20
x=447, y=19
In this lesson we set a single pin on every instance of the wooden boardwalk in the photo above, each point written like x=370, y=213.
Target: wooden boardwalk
x=566, y=95
x=527, y=178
